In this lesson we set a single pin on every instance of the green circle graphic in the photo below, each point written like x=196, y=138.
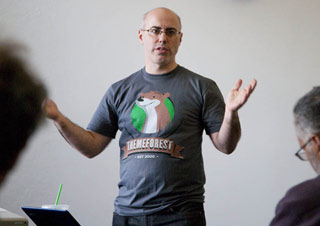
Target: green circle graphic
x=138, y=115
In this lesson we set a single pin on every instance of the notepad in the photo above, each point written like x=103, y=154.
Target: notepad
x=50, y=217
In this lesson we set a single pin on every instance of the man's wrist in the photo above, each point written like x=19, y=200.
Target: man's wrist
x=231, y=115
x=60, y=120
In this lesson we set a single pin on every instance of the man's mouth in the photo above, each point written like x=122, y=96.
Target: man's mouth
x=162, y=49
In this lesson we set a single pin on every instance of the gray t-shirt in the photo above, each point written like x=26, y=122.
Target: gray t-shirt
x=162, y=119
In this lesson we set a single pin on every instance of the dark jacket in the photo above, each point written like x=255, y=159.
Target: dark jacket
x=300, y=206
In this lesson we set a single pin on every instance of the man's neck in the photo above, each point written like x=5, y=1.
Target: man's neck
x=158, y=69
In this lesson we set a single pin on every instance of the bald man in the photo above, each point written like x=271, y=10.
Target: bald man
x=161, y=111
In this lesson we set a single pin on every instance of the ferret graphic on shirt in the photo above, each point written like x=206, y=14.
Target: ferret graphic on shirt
x=152, y=112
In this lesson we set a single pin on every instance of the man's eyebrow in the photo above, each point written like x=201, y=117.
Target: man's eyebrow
x=168, y=28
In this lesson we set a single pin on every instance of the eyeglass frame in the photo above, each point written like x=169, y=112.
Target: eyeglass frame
x=301, y=153
x=158, y=29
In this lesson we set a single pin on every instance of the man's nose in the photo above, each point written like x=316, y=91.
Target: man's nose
x=163, y=36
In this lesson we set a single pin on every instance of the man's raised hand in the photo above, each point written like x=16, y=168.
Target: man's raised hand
x=238, y=97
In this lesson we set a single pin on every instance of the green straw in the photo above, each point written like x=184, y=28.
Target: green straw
x=59, y=192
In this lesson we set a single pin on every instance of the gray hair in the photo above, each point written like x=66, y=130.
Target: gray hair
x=146, y=14
x=307, y=114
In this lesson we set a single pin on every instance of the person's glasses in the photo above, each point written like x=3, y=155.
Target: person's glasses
x=301, y=154
x=155, y=31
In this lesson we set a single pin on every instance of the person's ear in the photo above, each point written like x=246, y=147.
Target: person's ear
x=316, y=139
x=181, y=38
x=316, y=144
x=140, y=36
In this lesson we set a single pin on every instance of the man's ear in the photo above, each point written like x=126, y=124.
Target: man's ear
x=181, y=37
x=316, y=139
x=316, y=144
x=140, y=36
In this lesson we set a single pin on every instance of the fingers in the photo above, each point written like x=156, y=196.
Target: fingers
x=45, y=105
x=50, y=109
x=237, y=85
x=253, y=85
x=249, y=88
x=238, y=97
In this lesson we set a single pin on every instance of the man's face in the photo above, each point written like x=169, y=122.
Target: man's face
x=160, y=49
x=313, y=152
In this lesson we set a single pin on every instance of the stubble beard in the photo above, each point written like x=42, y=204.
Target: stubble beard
x=164, y=59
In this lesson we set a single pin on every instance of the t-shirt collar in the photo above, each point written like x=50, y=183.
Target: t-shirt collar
x=157, y=76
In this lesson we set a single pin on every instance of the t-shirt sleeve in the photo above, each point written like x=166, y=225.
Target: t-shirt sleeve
x=105, y=119
x=213, y=109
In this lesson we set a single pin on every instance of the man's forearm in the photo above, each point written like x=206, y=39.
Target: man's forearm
x=83, y=140
x=227, y=138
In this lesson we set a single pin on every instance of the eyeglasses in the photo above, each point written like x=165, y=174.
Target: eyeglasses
x=170, y=32
x=301, y=154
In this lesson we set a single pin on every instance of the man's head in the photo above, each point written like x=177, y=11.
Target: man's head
x=21, y=97
x=160, y=36
x=307, y=123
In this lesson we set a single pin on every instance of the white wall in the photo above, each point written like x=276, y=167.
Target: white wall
x=79, y=48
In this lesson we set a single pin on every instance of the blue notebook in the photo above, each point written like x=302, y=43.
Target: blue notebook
x=50, y=217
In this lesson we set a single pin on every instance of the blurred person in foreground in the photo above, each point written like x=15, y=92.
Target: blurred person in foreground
x=21, y=97
x=301, y=204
